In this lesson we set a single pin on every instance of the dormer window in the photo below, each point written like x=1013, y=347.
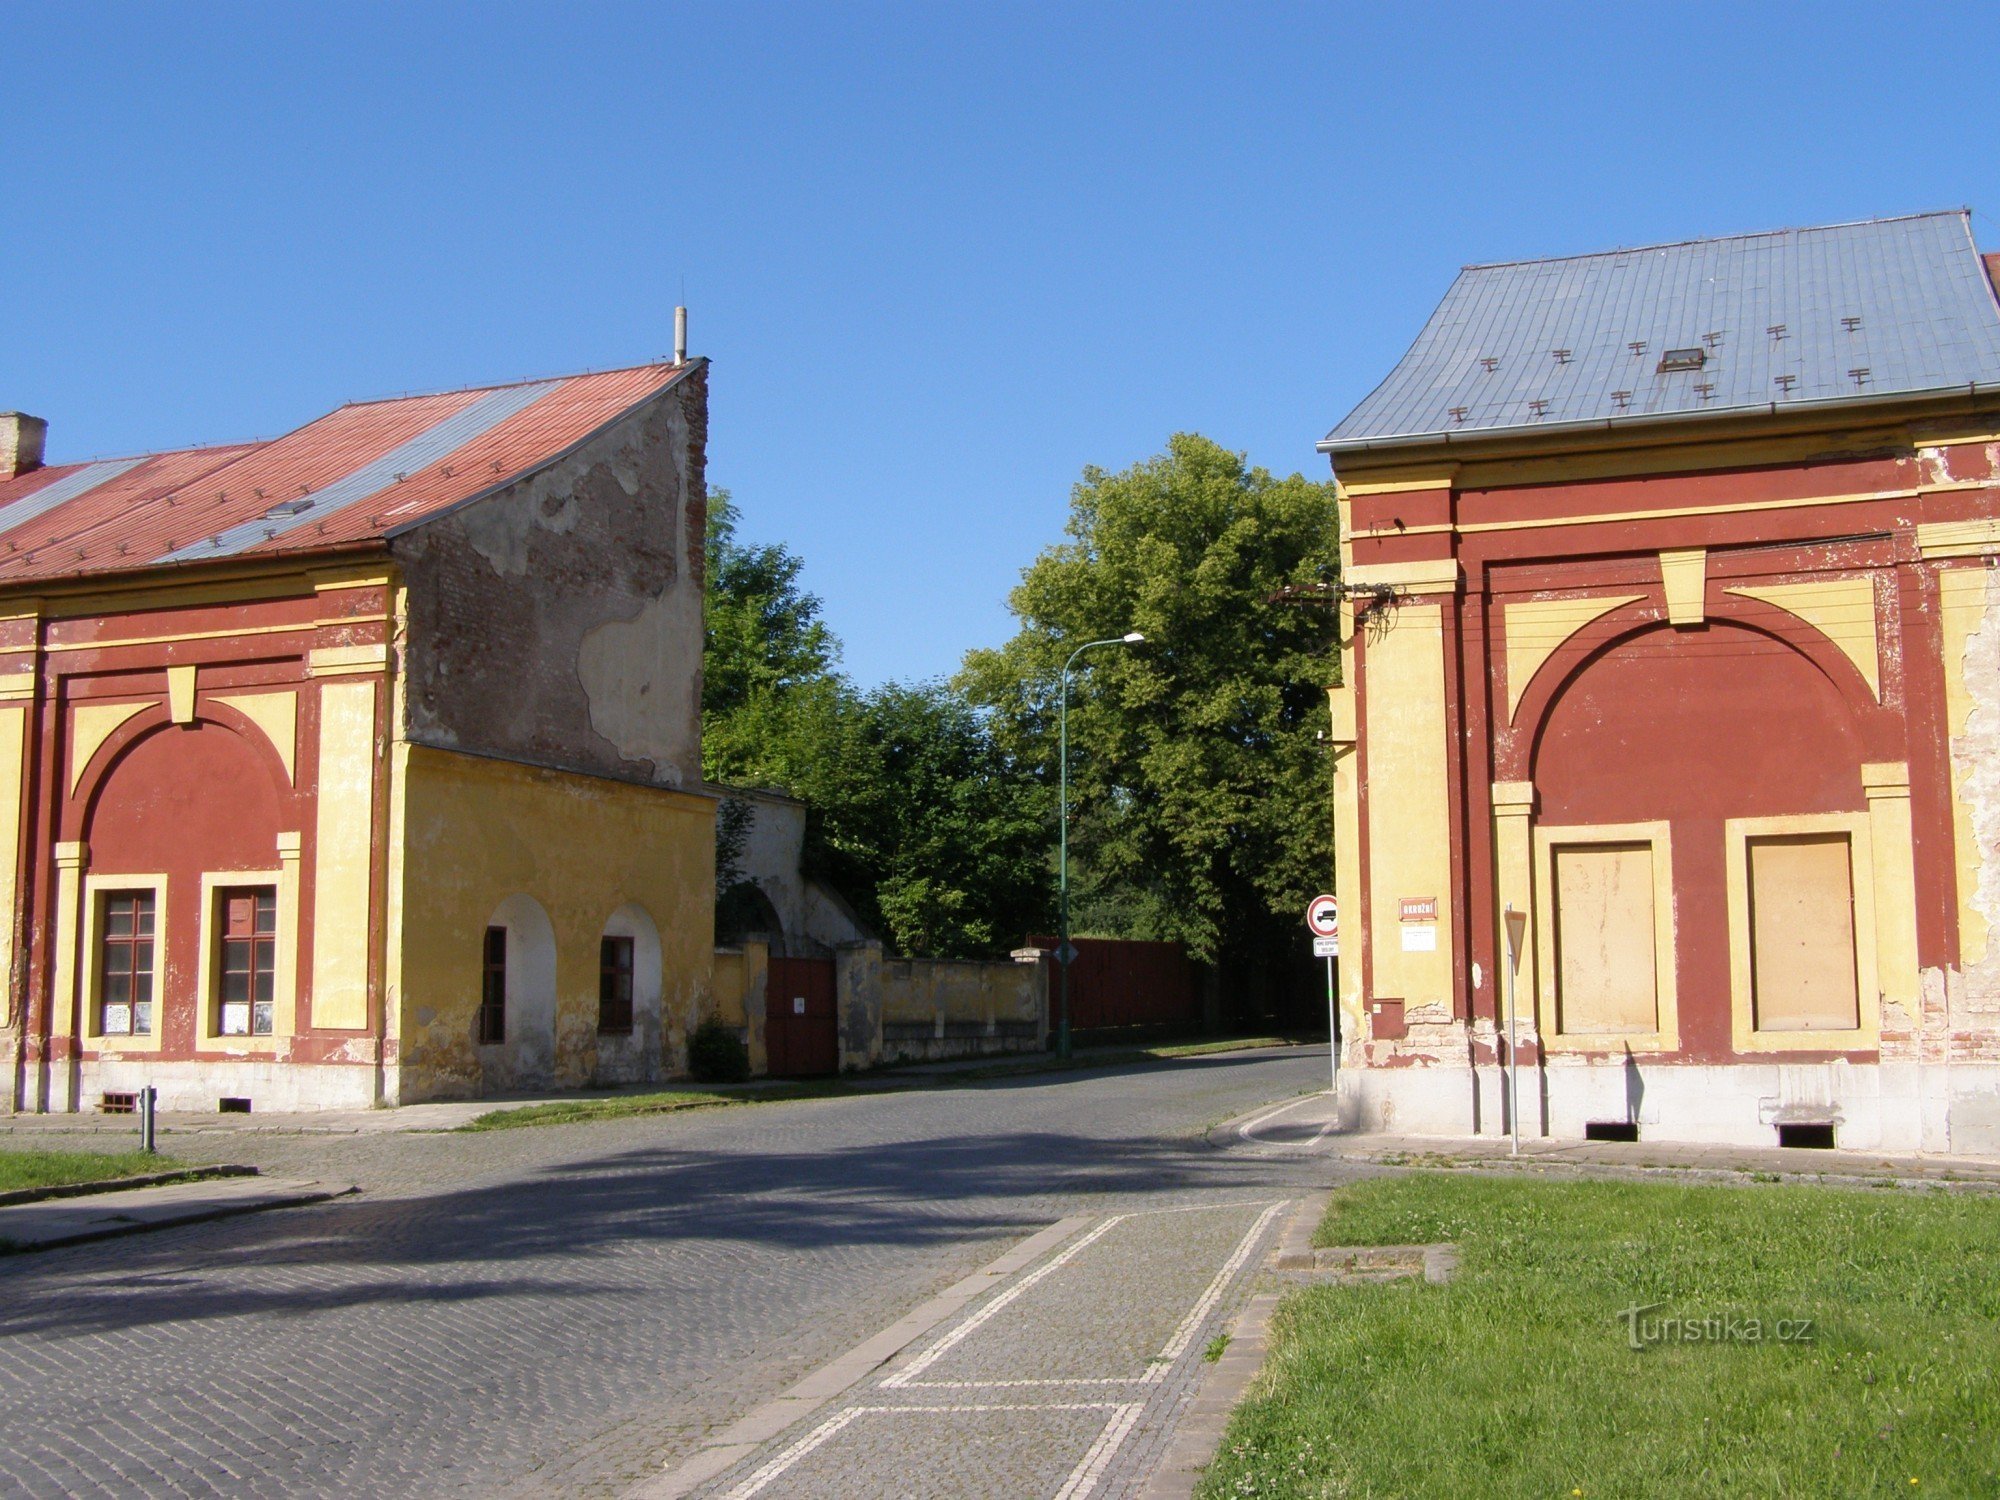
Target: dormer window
x=1682, y=359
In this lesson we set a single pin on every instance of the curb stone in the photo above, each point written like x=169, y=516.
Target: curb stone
x=1199, y=1433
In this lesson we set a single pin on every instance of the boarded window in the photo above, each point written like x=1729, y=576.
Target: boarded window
x=1802, y=961
x=1607, y=977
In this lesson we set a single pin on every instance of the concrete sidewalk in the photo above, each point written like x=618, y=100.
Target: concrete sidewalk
x=1307, y=1126
x=50, y=1222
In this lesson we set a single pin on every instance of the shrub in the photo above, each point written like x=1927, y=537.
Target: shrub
x=716, y=1054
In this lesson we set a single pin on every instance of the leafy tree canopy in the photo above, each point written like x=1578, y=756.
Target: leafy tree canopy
x=914, y=811
x=1199, y=793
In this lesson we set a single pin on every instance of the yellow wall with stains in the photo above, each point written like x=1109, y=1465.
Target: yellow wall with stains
x=473, y=833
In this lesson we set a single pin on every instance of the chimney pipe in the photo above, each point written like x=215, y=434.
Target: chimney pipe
x=680, y=335
x=21, y=438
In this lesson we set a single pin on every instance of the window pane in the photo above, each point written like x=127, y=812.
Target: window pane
x=117, y=987
x=117, y=1020
x=142, y=986
x=260, y=1021
x=117, y=917
x=142, y=1015
x=235, y=1019
x=145, y=914
x=267, y=912
x=142, y=956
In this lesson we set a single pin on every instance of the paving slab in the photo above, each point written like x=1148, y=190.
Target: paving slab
x=50, y=1222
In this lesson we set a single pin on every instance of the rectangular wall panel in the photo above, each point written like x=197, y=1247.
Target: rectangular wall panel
x=1607, y=971
x=1803, y=971
x=342, y=850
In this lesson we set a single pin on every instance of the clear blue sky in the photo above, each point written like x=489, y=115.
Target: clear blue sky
x=942, y=255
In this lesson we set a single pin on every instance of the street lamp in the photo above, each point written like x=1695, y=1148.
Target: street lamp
x=1132, y=638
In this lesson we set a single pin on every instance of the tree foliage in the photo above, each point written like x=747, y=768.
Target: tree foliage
x=1199, y=793
x=915, y=812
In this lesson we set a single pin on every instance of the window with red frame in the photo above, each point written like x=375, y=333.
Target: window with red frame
x=125, y=963
x=246, y=974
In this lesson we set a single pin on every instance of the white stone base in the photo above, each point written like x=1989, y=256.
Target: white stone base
x=198, y=1087
x=1900, y=1107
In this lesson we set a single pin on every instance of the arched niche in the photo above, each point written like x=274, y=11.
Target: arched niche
x=636, y=1058
x=1726, y=721
x=526, y=1055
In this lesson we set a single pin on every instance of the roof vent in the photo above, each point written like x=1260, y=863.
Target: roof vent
x=21, y=439
x=1682, y=359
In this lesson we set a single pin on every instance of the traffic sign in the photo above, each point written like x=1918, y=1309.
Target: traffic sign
x=1323, y=917
x=1326, y=947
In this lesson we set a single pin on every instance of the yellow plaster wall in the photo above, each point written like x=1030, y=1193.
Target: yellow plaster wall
x=1841, y=609
x=90, y=725
x=728, y=986
x=476, y=831
x=1965, y=611
x=1409, y=816
x=277, y=715
x=1536, y=627
x=915, y=989
x=342, y=849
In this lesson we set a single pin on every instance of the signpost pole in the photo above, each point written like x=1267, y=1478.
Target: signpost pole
x=1323, y=922
x=1332, y=1032
x=1517, y=926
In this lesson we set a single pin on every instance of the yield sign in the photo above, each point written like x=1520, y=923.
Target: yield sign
x=1323, y=916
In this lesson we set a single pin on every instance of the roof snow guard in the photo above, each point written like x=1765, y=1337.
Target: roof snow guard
x=1753, y=322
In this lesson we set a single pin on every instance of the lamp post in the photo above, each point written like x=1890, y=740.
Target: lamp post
x=1132, y=638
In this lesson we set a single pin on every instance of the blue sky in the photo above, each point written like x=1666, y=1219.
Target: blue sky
x=942, y=255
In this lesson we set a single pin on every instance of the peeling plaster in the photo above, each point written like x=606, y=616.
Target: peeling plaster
x=1976, y=756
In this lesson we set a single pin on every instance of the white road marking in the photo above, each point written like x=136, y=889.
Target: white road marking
x=965, y=1330
x=1184, y=1335
x=1248, y=1129
x=1083, y=1478
x=1081, y=1481
x=1176, y=1345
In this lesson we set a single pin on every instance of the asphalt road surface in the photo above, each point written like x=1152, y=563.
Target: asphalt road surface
x=573, y=1310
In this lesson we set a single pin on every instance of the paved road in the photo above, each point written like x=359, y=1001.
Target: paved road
x=570, y=1310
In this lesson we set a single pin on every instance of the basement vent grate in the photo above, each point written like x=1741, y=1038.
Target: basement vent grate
x=230, y=1105
x=119, y=1104
x=1812, y=1137
x=1610, y=1130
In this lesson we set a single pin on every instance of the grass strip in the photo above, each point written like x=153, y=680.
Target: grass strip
x=667, y=1101
x=21, y=1170
x=1791, y=1340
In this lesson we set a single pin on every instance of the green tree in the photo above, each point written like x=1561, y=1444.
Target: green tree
x=1200, y=795
x=763, y=640
x=915, y=812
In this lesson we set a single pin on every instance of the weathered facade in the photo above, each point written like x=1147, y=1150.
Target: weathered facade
x=1672, y=623
x=362, y=765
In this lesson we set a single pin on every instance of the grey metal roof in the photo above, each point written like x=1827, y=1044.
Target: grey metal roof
x=1543, y=344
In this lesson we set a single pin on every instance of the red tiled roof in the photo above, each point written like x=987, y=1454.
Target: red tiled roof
x=331, y=484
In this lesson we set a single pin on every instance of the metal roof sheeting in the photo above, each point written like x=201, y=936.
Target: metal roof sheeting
x=1791, y=318
x=363, y=472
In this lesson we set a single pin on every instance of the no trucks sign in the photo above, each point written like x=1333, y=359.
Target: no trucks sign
x=1323, y=917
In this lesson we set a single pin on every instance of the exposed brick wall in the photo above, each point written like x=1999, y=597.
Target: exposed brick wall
x=558, y=621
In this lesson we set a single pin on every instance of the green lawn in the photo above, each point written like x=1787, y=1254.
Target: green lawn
x=1518, y=1379
x=667, y=1101
x=34, y=1169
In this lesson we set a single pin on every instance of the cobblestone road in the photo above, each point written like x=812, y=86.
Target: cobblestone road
x=568, y=1310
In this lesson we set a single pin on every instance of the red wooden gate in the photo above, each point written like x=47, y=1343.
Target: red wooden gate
x=801, y=1030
